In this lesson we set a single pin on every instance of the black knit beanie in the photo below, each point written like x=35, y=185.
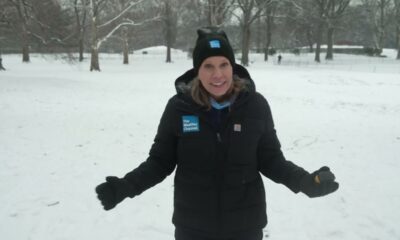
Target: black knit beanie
x=211, y=41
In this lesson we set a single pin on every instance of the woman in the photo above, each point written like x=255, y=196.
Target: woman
x=219, y=134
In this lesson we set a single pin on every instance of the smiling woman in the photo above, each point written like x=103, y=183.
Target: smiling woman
x=215, y=75
x=218, y=133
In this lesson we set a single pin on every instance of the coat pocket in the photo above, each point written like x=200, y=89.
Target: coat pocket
x=240, y=176
x=243, y=189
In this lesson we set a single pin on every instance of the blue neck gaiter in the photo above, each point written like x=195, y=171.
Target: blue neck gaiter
x=218, y=105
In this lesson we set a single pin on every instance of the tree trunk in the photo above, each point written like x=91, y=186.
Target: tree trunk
x=168, y=60
x=397, y=4
x=310, y=41
x=126, y=52
x=398, y=53
x=319, y=39
x=317, y=53
x=80, y=29
x=212, y=21
x=169, y=43
x=169, y=28
x=81, y=49
x=94, y=60
x=329, y=50
x=382, y=25
x=216, y=15
x=25, y=48
x=24, y=32
x=266, y=54
x=258, y=34
x=268, y=37
x=245, y=45
x=126, y=45
x=398, y=41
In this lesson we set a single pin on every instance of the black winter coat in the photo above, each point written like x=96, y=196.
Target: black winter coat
x=218, y=189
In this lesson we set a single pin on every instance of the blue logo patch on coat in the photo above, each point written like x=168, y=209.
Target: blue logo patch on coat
x=190, y=123
x=215, y=44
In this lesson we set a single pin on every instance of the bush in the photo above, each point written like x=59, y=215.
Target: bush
x=272, y=51
x=296, y=51
x=370, y=51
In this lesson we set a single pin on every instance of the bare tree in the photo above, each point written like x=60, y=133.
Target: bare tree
x=80, y=10
x=303, y=16
x=125, y=30
x=397, y=16
x=170, y=25
x=250, y=10
x=334, y=12
x=218, y=11
x=125, y=43
x=270, y=11
x=322, y=6
x=378, y=11
x=107, y=27
x=38, y=21
x=21, y=24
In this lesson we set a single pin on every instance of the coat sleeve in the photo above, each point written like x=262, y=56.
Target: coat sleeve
x=272, y=162
x=162, y=157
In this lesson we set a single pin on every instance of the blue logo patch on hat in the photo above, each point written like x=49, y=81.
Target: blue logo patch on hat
x=190, y=123
x=215, y=44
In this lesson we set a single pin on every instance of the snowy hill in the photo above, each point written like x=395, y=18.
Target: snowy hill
x=63, y=129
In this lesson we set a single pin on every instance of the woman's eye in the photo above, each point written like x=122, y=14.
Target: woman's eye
x=224, y=65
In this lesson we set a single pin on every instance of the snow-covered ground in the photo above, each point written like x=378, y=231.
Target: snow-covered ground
x=63, y=129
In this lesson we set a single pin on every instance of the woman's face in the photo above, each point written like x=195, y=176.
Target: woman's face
x=215, y=74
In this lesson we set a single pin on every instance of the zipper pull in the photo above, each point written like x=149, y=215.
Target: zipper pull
x=219, y=137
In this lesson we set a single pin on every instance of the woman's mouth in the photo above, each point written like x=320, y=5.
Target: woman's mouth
x=219, y=84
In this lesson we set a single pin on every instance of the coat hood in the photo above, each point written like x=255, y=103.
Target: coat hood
x=182, y=82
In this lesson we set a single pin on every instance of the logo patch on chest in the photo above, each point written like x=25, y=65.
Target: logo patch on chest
x=190, y=123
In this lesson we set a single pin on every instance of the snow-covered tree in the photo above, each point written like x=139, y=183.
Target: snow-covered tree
x=103, y=25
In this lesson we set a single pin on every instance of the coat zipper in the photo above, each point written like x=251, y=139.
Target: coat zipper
x=219, y=139
x=219, y=176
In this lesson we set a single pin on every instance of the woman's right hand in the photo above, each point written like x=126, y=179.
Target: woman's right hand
x=112, y=192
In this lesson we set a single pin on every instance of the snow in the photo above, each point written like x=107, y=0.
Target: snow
x=63, y=129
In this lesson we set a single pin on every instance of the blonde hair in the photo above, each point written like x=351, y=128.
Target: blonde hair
x=202, y=97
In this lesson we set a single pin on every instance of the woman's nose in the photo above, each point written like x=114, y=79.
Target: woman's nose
x=217, y=73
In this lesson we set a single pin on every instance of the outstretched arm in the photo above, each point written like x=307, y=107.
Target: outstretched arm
x=160, y=163
x=273, y=165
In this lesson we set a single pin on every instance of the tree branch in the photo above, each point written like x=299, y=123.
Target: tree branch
x=127, y=22
x=131, y=4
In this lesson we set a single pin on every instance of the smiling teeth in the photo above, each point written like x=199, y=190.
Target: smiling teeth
x=217, y=84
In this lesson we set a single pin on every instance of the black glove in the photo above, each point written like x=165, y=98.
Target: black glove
x=319, y=183
x=113, y=191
